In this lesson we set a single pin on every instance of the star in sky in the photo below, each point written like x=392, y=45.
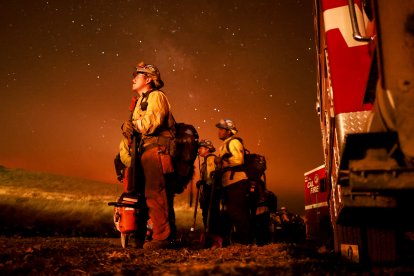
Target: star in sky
x=65, y=79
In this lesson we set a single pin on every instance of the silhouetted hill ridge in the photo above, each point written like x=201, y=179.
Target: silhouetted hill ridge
x=49, y=182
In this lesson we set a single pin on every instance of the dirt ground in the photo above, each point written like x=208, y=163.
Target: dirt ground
x=52, y=225
x=105, y=256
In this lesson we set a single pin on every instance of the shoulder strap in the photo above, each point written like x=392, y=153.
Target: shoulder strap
x=134, y=101
x=169, y=119
x=210, y=155
x=146, y=94
x=231, y=139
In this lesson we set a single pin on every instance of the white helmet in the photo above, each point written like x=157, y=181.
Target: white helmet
x=227, y=124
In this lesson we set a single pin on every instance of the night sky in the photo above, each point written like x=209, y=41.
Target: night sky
x=65, y=80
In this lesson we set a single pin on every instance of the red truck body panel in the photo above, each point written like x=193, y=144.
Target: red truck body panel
x=316, y=201
x=349, y=60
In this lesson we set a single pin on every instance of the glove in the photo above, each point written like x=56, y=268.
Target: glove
x=127, y=129
x=200, y=183
x=217, y=160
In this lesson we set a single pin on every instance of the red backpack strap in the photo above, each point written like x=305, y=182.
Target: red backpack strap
x=133, y=103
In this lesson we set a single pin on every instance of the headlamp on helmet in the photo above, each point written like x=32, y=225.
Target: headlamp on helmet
x=150, y=71
x=208, y=144
x=228, y=125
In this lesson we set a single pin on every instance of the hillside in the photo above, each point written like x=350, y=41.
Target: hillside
x=52, y=224
x=42, y=204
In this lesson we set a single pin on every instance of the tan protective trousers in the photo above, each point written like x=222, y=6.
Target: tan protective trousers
x=156, y=194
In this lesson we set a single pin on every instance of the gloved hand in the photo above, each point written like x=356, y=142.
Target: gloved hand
x=127, y=129
x=217, y=160
x=200, y=183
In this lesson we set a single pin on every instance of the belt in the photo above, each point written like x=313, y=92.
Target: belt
x=155, y=141
x=238, y=168
x=148, y=147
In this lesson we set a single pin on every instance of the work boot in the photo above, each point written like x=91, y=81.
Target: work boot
x=211, y=241
x=138, y=243
x=156, y=244
x=217, y=242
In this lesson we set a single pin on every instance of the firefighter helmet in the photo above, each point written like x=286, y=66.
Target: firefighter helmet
x=150, y=71
x=208, y=144
x=227, y=124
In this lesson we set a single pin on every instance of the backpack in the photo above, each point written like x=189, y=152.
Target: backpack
x=185, y=153
x=254, y=164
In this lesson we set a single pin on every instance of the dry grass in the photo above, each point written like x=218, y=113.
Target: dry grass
x=33, y=203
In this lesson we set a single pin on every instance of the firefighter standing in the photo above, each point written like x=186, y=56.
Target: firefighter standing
x=152, y=118
x=260, y=207
x=209, y=196
x=235, y=184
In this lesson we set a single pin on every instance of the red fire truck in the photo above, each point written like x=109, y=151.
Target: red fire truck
x=316, y=205
x=365, y=103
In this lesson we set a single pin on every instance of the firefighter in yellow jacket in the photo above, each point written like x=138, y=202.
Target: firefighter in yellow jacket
x=210, y=196
x=152, y=118
x=236, y=186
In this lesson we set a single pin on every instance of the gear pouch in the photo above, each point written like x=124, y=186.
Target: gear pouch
x=166, y=163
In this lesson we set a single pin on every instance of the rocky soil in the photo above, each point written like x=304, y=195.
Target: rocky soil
x=105, y=256
x=53, y=225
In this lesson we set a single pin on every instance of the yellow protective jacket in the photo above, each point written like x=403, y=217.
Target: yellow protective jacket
x=152, y=116
x=207, y=167
x=125, y=153
x=232, y=155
